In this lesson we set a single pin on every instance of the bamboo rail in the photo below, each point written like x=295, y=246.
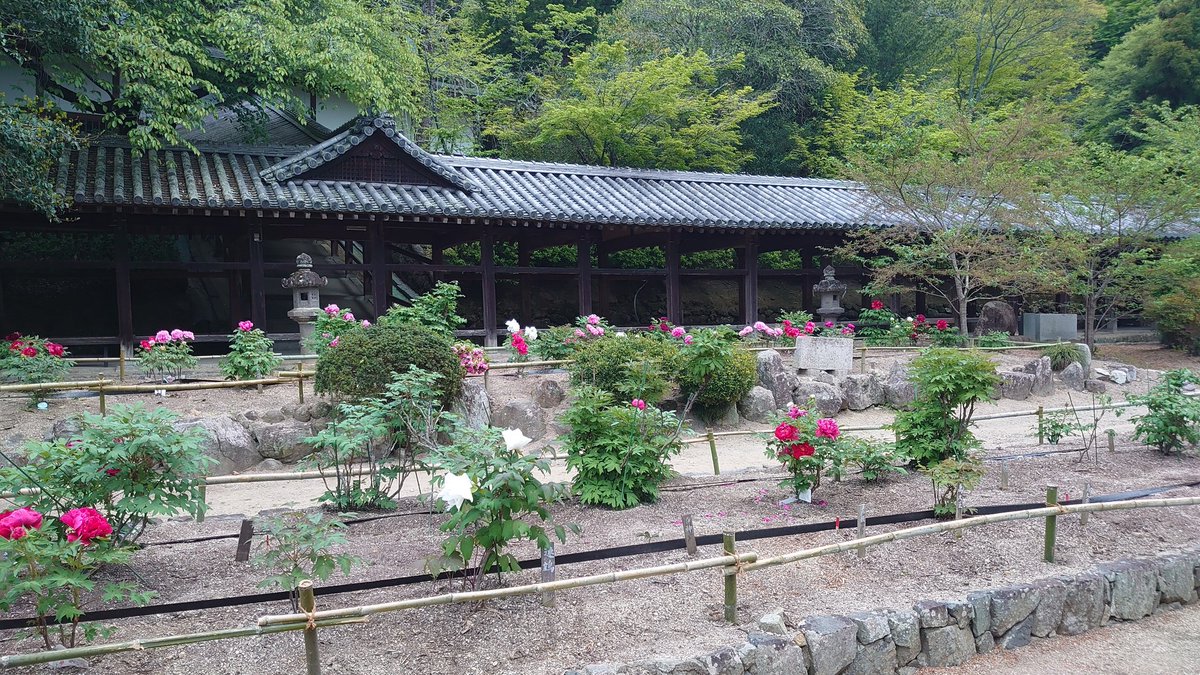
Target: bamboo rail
x=54, y=386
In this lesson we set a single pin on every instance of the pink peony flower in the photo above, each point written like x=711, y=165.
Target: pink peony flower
x=828, y=428
x=176, y=334
x=677, y=332
x=942, y=324
x=796, y=413
x=746, y=331
x=162, y=337
x=593, y=319
x=245, y=326
x=760, y=327
x=578, y=333
x=792, y=331
x=829, y=324
x=366, y=324
x=29, y=351
x=54, y=349
x=189, y=335
x=810, y=327
x=595, y=330
x=638, y=403
x=348, y=316
x=688, y=339
x=15, y=524
x=920, y=318
x=333, y=342
x=85, y=524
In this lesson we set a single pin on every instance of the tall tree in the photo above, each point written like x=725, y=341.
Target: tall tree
x=667, y=112
x=908, y=38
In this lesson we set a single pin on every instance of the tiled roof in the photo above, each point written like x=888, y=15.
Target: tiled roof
x=266, y=178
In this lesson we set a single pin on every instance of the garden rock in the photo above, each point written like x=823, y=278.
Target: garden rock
x=874, y=658
x=906, y=634
x=933, y=614
x=268, y=466
x=1016, y=385
x=273, y=416
x=985, y=642
x=832, y=643
x=997, y=316
x=1095, y=386
x=301, y=413
x=947, y=646
x=283, y=441
x=1073, y=376
x=1084, y=607
x=772, y=655
x=828, y=398
x=320, y=410
x=1134, y=589
x=872, y=626
x=772, y=376
x=861, y=391
x=981, y=608
x=1043, y=376
x=758, y=405
x=1176, y=580
x=548, y=393
x=225, y=441
x=1131, y=372
x=473, y=405
x=1085, y=356
x=1017, y=636
x=64, y=428
x=898, y=389
x=1052, y=594
x=774, y=623
x=521, y=414
x=1011, y=606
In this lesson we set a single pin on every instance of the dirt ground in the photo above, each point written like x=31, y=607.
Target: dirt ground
x=678, y=614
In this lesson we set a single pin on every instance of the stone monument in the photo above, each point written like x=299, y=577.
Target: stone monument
x=306, y=298
x=830, y=291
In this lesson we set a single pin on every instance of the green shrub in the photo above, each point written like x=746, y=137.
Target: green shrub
x=436, y=310
x=32, y=360
x=937, y=425
x=618, y=450
x=727, y=382
x=297, y=546
x=1172, y=421
x=251, y=354
x=950, y=478
x=1062, y=354
x=330, y=326
x=628, y=367
x=555, y=343
x=364, y=361
x=996, y=338
x=1177, y=316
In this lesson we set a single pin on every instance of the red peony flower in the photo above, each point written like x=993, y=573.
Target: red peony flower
x=876, y=304
x=828, y=428
x=786, y=432
x=85, y=524
x=801, y=450
x=942, y=324
x=15, y=346
x=920, y=318
x=54, y=349
x=12, y=336
x=29, y=351
x=148, y=344
x=14, y=524
x=112, y=472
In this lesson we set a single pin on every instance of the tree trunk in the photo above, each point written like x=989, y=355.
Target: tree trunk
x=962, y=315
x=1089, y=321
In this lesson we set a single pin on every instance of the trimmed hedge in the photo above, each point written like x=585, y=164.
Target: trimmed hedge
x=612, y=364
x=363, y=362
x=729, y=384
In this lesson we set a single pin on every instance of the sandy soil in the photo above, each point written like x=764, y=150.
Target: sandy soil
x=678, y=614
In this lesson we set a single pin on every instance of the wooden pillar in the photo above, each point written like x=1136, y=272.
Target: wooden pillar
x=583, y=261
x=807, y=302
x=750, y=282
x=922, y=303
x=381, y=280
x=124, y=289
x=674, y=299
x=524, y=257
x=602, y=261
x=437, y=253
x=487, y=259
x=258, y=293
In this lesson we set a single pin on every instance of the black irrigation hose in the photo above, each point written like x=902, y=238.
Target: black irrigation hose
x=573, y=558
x=216, y=537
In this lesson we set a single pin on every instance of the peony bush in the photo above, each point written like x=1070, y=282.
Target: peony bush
x=168, y=354
x=251, y=354
x=33, y=360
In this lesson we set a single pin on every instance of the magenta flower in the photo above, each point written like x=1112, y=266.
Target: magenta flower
x=746, y=331
x=348, y=316
x=677, y=332
x=579, y=333
x=828, y=428
x=245, y=326
x=15, y=524
x=810, y=327
x=638, y=403
x=796, y=413
x=366, y=324
x=162, y=337
x=189, y=335
x=332, y=310
x=333, y=342
x=593, y=319
x=176, y=334
x=687, y=339
x=829, y=324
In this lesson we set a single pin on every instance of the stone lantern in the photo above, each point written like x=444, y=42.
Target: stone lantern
x=831, y=292
x=306, y=297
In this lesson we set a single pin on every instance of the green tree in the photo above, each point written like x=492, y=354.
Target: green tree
x=32, y=138
x=668, y=112
x=908, y=38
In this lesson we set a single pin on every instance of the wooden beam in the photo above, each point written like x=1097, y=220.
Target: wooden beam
x=583, y=263
x=258, y=294
x=750, y=281
x=674, y=299
x=381, y=279
x=124, y=289
x=487, y=252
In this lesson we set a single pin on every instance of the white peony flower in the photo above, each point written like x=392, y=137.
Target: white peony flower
x=512, y=326
x=620, y=333
x=515, y=440
x=455, y=490
x=530, y=333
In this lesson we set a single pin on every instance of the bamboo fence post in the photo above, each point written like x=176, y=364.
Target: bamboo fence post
x=121, y=364
x=862, y=528
x=1051, y=522
x=689, y=534
x=203, y=502
x=103, y=404
x=1041, y=426
x=548, y=574
x=712, y=447
x=308, y=603
x=300, y=381
x=1087, y=499
x=1112, y=440
x=958, y=495
x=244, y=537
x=731, y=573
x=1004, y=476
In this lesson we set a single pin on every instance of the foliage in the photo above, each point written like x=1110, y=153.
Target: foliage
x=473, y=359
x=251, y=354
x=610, y=363
x=806, y=446
x=167, y=355
x=936, y=426
x=665, y=112
x=619, y=451
x=436, y=310
x=994, y=339
x=796, y=317
x=875, y=322
x=1062, y=354
x=719, y=384
x=555, y=343
x=951, y=477
x=508, y=503
x=33, y=136
x=1172, y=420
x=298, y=546
x=331, y=326
x=132, y=464
x=51, y=564
x=874, y=459
x=30, y=359
x=363, y=362
x=1054, y=427
x=1173, y=284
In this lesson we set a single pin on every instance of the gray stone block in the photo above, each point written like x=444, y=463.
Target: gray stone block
x=774, y=623
x=934, y=613
x=1084, y=607
x=1176, y=579
x=832, y=643
x=872, y=626
x=906, y=634
x=1073, y=376
x=947, y=646
x=1050, y=327
x=824, y=354
x=1094, y=386
x=981, y=604
x=1043, y=376
x=898, y=389
x=757, y=405
x=521, y=414
x=1017, y=636
x=1052, y=594
x=1011, y=606
x=773, y=655
x=473, y=404
x=1134, y=588
x=773, y=376
x=862, y=391
x=984, y=642
x=1016, y=386
x=548, y=393
x=873, y=659
x=827, y=398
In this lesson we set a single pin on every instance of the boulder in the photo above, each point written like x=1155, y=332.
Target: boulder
x=828, y=398
x=1134, y=589
x=473, y=405
x=934, y=614
x=773, y=655
x=774, y=623
x=757, y=405
x=268, y=466
x=273, y=416
x=1073, y=376
x=981, y=609
x=773, y=376
x=1095, y=386
x=832, y=643
x=301, y=413
x=872, y=626
x=548, y=393
x=1131, y=372
x=1017, y=636
x=1176, y=580
x=906, y=634
x=1043, y=376
x=947, y=646
x=1052, y=595
x=1016, y=385
x=64, y=429
x=861, y=391
x=997, y=316
x=874, y=658
x=283, y=441
x=1011, y=606
x=521, y=414
x=1084, y=607
x=225, y=441
x=985, y=642
x=319, y=410
x=898, y=389
x=1085, y=353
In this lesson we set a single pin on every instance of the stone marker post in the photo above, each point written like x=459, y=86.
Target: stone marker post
x=306, y=297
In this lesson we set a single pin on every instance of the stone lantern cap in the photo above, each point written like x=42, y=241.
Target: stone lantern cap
x=829, y=284
x=304, y=276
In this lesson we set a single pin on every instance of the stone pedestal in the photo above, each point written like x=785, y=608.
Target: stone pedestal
x=306, y=298
x=815, y=355
x=1050, y=327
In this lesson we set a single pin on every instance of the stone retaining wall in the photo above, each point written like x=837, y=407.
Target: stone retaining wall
x=943, y=633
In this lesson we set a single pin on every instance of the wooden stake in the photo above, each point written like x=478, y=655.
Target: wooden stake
x=862, y=528
x=958, y=495
x=1087, y=499
x=1112, y=440
x=1051, y=522
x=300, y=381
x=244, y=537
x=1004, y=476
x=730, y=580
x=204, y=501
x=1041, y=413
x=308, y=604
x=103, y=403
x=548, y=574
x=689, y=535
x=121, y=363
x=712, y=447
